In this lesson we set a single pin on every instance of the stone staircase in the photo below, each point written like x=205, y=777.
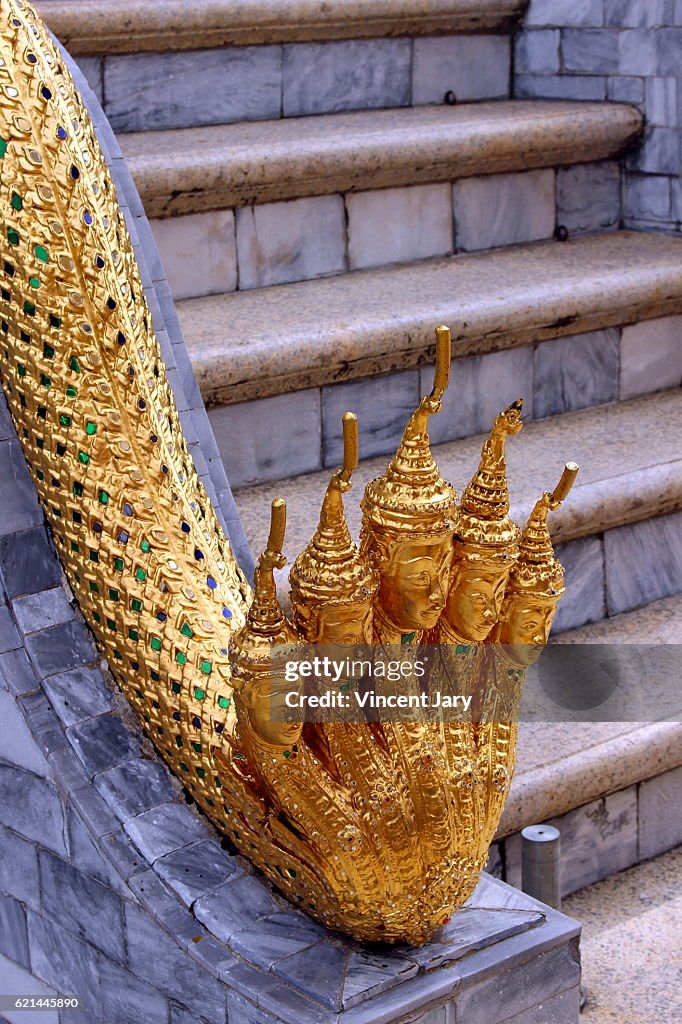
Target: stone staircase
x=326, y=183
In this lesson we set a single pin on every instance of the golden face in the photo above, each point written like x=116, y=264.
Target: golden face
x=475, y=598
x=413, y=582
x=345, y=623
x=525, y=622
x=267, y=712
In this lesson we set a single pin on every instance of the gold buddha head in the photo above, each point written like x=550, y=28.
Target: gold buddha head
x=536, y=584
x=486, y=540
x=259, y=684
x=332, y=585
x=408, y=520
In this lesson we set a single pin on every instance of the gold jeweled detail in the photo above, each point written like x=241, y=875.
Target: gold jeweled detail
x=377, y=829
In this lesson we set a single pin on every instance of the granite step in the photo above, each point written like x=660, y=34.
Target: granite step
x=620, y=534
x=612, y=788
x=233, y=165
x=278, y=340
x=630, y=927
x=108, y=26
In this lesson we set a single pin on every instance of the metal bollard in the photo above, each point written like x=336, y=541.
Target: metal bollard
x=540, y=864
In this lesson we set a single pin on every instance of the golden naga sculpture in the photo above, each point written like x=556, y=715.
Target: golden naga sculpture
x=409, y=516
x=379, y=829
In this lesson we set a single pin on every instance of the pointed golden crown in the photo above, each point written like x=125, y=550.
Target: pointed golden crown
x=484, y=526
x=538, y=571
x=412, y=497
x=266, y=624
x=331, y=569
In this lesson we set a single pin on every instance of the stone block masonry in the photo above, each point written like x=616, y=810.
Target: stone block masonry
x=625, y=51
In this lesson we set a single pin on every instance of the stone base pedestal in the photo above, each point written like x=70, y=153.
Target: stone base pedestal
x=503, y=959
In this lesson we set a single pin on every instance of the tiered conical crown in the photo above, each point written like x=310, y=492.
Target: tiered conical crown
x=538, y=571
x=331, y=569
x=484, y=511
x=266, y=624
x=412, y=496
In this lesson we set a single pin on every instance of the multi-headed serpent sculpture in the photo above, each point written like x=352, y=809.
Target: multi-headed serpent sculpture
x=377, y=829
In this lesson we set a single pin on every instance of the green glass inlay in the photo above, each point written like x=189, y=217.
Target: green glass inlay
x=201, y=772
x=34, y=282
x=40, y=474
x=21, y=370
x=74, y=547
x=154, y=676
x=17, y=201
x=111, y=624
x=184, y=766
x=29, y=308
x=74, y=365
x=12, y=236
x=41, y=253
x=48, y=351
x=3, y=148
x=206, y=667
x=118, y=656
x=45, y=380
x=71, y=391
x=84, y=458
x=95, y=589
x=178, y=740
x=136, y=605
x=78, y=490
x=180, y=658
x=133, y=634
x=55, y=321
x=186, y=629
x=64, y=420
x=118, y=564
x=140, y=574
x=113, y=593
x=145, y=546
x=96, y=615
x=176, y=688
x=90, y=428
x=103, y=498
x=94, y=556
x=155, y=643
x=224, y=702
x=196, y=747
x=199, y=693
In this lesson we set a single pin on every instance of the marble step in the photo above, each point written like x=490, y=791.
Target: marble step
x=232, y=165
x=109, y=26
x=619, y=535
x=611, y=304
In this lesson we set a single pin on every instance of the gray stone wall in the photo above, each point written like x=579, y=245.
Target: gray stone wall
x=626, y=51
x=149, y=91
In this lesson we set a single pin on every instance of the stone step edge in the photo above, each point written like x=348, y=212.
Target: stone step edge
x=224, y=166
x=371, y=334
x=112, y=27
x=595, y=506
x=552, y=790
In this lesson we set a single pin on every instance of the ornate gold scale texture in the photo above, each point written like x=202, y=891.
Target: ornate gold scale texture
x=380, y=829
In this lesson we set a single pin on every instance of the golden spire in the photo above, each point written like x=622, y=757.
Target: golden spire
x=412, y=497
x=538, y=571
x=331, y=570
x=266, y=623
x=484, y=511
